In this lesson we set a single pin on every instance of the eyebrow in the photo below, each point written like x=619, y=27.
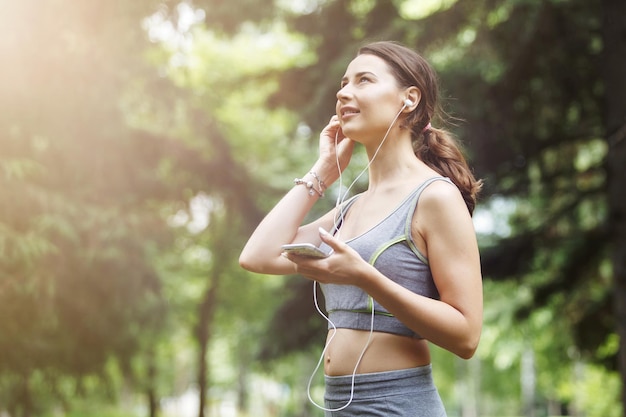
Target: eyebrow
x=358, y=74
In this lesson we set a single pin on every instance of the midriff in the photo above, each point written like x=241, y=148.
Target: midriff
x=386, y=352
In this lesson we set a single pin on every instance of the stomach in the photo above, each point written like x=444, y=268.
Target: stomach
x=385, y=352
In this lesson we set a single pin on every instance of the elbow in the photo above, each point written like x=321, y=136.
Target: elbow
x=255, y=264
x=466, y=353
x=468, y=339
x=246, y=263
x=243, y=262
x=467, y=349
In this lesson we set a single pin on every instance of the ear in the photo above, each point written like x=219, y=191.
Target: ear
x=413, y=94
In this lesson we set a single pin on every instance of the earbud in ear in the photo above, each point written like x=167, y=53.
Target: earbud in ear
x=408, y=103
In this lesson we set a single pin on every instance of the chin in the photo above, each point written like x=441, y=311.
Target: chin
x=352, y=133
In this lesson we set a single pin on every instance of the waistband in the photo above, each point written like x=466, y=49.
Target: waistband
x=377, y=384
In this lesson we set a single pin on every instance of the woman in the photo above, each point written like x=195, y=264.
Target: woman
x=404, y=267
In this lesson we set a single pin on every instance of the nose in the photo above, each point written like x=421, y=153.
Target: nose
x=343, y=94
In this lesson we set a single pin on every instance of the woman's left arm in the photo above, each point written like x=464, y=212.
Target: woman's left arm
x=453, y=322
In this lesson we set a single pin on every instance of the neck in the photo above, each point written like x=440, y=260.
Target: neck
x=394, y=160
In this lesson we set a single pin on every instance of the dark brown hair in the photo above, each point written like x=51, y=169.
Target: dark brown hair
x=436, y=147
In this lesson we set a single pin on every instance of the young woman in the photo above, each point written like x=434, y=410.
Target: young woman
x=404, y=267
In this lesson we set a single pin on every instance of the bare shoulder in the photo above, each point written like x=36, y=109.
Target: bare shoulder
x=441, y=203
x=440, y=195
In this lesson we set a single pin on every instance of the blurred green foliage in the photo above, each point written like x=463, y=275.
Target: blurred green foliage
x=140, y=143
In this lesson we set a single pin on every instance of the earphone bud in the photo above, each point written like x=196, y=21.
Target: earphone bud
x=408, y=103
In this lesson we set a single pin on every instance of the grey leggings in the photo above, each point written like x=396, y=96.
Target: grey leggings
x=403, y=393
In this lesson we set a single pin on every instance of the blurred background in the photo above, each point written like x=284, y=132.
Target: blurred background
x=142, y=141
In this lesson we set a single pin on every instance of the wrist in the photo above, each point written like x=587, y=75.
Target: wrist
x=326, y=173
x=309, y=181
x=369, y=278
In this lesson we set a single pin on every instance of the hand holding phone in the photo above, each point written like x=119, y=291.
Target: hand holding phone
x=305, y=249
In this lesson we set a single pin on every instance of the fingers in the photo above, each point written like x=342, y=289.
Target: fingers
x=345, y=146
x=310, y=268
x=330, y=240
x=333, y=128
x=326, y=237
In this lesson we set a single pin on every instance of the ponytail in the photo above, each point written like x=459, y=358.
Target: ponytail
x=441, y=152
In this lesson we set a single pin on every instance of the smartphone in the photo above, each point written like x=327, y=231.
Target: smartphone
x=305, y=249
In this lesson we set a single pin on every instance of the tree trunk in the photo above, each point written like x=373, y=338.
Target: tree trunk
x=528, y=381
x=202, y=375
x=204, y=331
x=242, y=387
x=614, y=70
x=26, y=397
x=205, y=320
x=153, y=399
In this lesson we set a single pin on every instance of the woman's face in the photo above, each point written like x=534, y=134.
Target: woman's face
x=369, y=99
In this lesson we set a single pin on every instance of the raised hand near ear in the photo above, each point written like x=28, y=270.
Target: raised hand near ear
x=334, y=146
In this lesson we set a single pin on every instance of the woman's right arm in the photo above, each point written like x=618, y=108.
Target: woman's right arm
x=283, y=224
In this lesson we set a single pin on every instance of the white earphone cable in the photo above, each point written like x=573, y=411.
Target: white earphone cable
x=340, y=200
x=319, y=362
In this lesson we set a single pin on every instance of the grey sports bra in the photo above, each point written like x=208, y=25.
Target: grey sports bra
x=389, y=247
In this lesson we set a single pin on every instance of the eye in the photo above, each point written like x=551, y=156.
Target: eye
x=361, y=79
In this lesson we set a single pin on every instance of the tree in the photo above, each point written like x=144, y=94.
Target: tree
x=97, y=146
x=613, y=70
x=217, y=81
x=92, y=168
x=537, y=84
x=82, y=192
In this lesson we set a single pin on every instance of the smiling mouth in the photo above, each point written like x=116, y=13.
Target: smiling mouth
x=349, y=113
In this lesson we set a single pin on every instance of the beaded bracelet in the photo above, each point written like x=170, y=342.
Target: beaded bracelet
x=309, y=184
x=320, y=183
